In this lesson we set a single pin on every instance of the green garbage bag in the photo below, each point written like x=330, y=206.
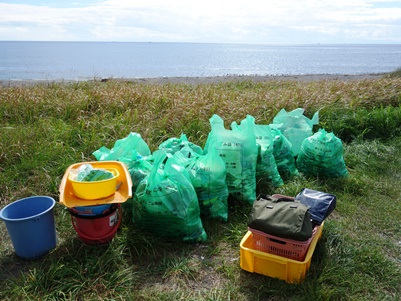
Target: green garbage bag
x=266, y=166
x=133, y=152
x=165, y=202
x=127, y=148
x=172, y=145
x=322, y=155
x=208, y=176
x=295, y=126
x=138, y=169
x=239, y=151
x=282, y=152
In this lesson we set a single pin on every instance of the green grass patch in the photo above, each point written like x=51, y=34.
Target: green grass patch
x=46, y=128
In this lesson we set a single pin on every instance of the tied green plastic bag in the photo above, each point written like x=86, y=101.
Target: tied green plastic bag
x=239, y=151
x=282, y=151
x=322, y=155
x=266, y=165
x=295, y=126
x=208, y=176
x=172, y=145
x=165, y=202
x=124, y=149
x=133, y=152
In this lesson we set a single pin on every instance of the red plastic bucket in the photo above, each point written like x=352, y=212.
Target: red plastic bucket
x=98, y=229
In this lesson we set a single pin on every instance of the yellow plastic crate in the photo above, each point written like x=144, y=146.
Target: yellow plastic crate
x=292, y=271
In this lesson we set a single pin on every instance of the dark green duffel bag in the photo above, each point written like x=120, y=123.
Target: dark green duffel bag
x=282, y=217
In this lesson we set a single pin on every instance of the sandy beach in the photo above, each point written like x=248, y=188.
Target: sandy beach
x=209, y=80
x=255, y=78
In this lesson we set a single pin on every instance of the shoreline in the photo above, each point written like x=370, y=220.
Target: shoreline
x=206, y=79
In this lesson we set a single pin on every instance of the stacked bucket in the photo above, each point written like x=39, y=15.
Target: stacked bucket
x=94, y=206
x=96, y=224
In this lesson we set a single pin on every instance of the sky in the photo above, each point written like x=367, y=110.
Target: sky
x=203, y=21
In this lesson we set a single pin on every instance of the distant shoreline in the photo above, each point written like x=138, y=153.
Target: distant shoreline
x=206, y=79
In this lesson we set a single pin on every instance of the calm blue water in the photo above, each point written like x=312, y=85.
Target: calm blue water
x=88, y=60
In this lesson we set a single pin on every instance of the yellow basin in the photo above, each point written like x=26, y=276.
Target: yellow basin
x=121, y=185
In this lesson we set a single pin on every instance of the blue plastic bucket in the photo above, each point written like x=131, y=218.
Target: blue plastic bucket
x=92, y=210
x=30, y=225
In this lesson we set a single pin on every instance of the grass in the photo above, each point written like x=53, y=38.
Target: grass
x=46, y=128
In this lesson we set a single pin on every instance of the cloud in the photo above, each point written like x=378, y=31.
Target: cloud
x=252, y=21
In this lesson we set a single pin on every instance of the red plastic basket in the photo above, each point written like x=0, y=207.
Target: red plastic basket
x=288, y=248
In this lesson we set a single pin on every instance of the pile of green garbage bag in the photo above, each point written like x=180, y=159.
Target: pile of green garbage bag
x=181, y=183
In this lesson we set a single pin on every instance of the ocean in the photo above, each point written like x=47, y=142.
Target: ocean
x=94, y=60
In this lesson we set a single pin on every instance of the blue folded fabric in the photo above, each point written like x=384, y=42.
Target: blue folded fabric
x=321, y=204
